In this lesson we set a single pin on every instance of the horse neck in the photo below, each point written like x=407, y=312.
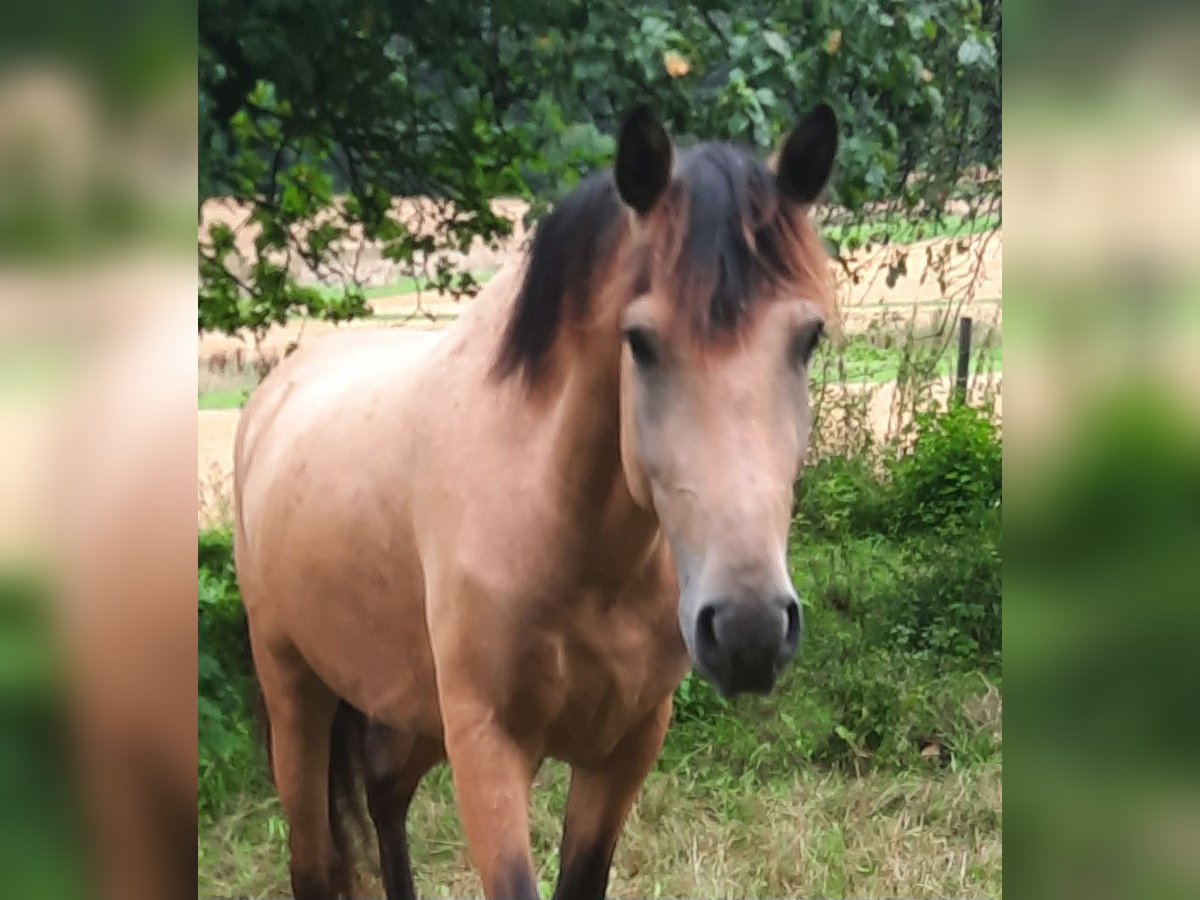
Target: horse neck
x=585, y=450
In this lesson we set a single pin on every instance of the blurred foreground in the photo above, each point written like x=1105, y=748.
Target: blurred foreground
x=1102, y=452
x=97, y=504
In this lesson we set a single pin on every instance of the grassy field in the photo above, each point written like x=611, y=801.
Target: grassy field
x=405, y=285
x=817, y=834
x=734, y=807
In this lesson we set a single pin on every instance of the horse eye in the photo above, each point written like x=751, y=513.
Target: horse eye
x=641, y=345
x=805, y=342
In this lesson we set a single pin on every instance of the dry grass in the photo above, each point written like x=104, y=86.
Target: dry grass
x=933, y=834
x=214, y=496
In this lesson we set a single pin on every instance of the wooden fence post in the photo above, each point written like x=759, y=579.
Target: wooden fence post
x=964, y=359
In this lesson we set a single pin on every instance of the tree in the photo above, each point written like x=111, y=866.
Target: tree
x=316, y=116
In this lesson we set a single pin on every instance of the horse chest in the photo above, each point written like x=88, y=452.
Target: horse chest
x=607, y=669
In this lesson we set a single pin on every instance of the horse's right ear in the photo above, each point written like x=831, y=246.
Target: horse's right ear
x=643, y=167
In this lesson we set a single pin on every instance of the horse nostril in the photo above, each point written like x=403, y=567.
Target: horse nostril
x=793, y=624
x=706, y=631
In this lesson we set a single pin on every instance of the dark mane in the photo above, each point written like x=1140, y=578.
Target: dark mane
x=569, y=247
x=729, y=240
x=722, y=238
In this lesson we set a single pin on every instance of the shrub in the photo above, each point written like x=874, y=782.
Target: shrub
x=227, y=748
x=948, y=607
x=953, y=472
x=847, y=703
x=840, y=496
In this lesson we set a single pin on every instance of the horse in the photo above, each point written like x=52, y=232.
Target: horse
x=510, y=541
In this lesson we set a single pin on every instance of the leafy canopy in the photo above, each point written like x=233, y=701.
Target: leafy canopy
x=317, y=116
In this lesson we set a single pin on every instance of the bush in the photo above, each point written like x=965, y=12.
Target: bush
x=847, y=703
x=948, y=608
x=911, y=552
x=228, y=752
x=839, y=496
x=899, y=566
x=954, y=472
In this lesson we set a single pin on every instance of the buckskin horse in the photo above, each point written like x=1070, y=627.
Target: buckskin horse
x=509, y=541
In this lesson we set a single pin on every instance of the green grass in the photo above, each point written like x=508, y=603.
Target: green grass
x=223, y=399
x=403, y=285
x=863, y=361
x=815, y=834
x=712, y=819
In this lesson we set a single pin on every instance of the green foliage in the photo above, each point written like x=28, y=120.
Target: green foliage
x=869, y=690
x=839, y=496
x=223, y=399
x=930, y=519
x=848, y=702
x=953, y=472
x=949, y=609
x=229, y=758
x=696, y=700
x=318, y=116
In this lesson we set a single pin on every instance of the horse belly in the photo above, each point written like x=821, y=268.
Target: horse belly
x=332, y=572
x=380, y=664
x=360, y=627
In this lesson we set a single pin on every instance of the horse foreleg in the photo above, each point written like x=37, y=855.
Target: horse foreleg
x=493, y=774
x=598, y=802
x=394, y=766
x=300, y=711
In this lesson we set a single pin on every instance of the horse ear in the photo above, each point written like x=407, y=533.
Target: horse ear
x=643, y=167
x=807, y=156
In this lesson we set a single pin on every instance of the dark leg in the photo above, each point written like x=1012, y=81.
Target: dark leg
x=301, y=711
x=395, y=764
x=597, y=805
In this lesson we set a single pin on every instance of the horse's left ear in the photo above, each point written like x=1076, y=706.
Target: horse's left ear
x=643, y=166
x=807, y=156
